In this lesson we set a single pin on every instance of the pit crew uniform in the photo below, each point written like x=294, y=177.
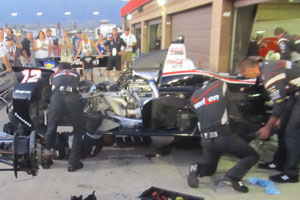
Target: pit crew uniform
x=285, y=45
x=282, y=79
x=210, y=105
x=65, y=102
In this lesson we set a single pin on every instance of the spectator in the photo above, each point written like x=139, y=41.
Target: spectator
x=100, y=45
x=130, y=41
x=11, y=51
x=85, y=46
x=87, y=65
x=17, y=43
x=50, y=38
x=66, y=46
x=114, y=52
x=26, y=53
x=3, y=51
x=2, y=41
x=76, y=42
x=42, y=48
x=4, y=61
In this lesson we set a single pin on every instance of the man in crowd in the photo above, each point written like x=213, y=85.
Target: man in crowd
x=66, y=46
x=114, y=52
x=50, y=38
x=3, y=49
x=281, y=79
x=210, y=104
x=65, y=101
x=130, y=41
x=4, y=61
x=26, y=53
x=76, y=41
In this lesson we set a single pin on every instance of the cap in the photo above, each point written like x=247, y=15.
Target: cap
x=127, y=29
x=79, y=32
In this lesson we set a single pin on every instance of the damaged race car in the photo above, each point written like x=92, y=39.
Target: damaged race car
x=149, y=99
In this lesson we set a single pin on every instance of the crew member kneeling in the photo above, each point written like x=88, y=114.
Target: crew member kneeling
x=65, y=102
x=210, y=105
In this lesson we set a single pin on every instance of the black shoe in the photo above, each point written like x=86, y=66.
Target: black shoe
x=236, y=183
x=269, y=165
x=46, y=163
x=193, y=178
x=284, y=178
x=75, y=167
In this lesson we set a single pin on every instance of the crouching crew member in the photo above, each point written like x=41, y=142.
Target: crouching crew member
x=210, y=105
x=65, y=102
x=280, y=79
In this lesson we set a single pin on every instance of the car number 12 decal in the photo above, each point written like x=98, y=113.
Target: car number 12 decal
x=31, y=76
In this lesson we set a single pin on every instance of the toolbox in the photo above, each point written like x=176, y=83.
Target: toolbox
x=155, y=193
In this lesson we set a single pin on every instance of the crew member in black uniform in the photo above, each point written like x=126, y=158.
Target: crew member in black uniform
x=114, y=51
x=65, y=102
x=210, y=104
x=286, y=43
x=280, y=79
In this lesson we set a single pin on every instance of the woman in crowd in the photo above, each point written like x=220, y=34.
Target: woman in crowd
x=42, y=48
x=100, y=45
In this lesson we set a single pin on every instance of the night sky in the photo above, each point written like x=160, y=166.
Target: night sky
x=53, y=11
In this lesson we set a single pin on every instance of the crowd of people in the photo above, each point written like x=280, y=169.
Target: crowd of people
x=36, y=51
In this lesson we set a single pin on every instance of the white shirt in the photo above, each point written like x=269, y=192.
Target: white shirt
x=42, y=53
x=129, y=40
x=51, y=42
x=86, y=47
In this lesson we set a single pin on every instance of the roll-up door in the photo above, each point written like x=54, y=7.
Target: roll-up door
x=195, y=26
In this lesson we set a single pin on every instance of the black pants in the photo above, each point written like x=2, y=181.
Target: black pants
x=227, y=142
x=66, y=104
x=288, y=152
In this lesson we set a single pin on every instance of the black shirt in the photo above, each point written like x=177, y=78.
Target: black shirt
x=210, y=105
x=68, y=77
x=114, y=46
x=280, y=78
x=88, y=61
x=26, y=46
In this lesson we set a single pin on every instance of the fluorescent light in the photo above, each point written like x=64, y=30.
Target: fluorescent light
x=67, y=13
x=260, y=32
x=161, y=2
x=14, y=14
x=96, y=13
x=39, y=13
x=129, y=17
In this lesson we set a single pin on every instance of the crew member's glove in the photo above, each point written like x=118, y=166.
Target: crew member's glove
x=92, y=89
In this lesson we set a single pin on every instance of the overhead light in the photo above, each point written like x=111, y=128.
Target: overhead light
x=161, y=2
x=96, y=13
x=14, y=14
x=129, y=17
x=39, y=13
x=67, y=13
x=260, y=32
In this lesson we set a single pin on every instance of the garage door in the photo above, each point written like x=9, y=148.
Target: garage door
x=195, y=25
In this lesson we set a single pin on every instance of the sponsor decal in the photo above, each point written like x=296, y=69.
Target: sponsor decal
x=49, y=64
x=206, y=101
x=22, y=92
x=176, y=51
